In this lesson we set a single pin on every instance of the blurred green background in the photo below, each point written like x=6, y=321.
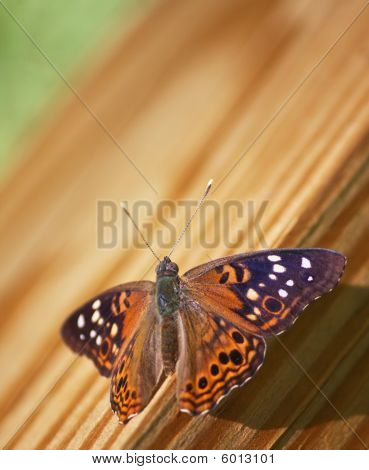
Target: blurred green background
x=71, y=34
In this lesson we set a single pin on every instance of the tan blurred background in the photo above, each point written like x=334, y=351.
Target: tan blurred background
x=146, y=101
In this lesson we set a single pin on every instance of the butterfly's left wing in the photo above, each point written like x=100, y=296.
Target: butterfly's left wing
x=120, y=331
x=227, y=307
x=98, y=328
x=138, y=367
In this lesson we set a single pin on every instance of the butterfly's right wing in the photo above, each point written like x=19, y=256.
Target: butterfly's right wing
x=264, y=292
x=230, y=304
x=215, y=357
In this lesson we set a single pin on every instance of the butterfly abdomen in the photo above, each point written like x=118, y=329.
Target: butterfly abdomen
x=169, y=343
x=167, y=300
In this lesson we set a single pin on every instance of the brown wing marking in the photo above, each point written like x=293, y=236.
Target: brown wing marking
x=215, y=357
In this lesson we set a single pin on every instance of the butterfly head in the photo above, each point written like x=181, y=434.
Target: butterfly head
x=167, y=268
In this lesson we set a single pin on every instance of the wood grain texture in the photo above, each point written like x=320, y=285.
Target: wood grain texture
x=186, y=91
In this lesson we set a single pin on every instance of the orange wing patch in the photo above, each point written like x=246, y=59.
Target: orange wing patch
x=215, y=357
x=229, y=273
x=138, y=366
x=98, y=329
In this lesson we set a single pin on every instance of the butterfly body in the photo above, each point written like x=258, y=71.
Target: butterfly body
x=167, y=300
x=209, y=325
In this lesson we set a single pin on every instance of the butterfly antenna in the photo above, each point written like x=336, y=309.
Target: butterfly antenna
x=124, y=207
x=200, y=203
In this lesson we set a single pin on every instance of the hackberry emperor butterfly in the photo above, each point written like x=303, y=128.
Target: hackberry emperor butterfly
x=209, y=326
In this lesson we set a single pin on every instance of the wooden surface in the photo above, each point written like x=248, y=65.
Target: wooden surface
x=185, y=92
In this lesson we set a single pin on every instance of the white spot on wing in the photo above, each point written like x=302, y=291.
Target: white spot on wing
x=81, y=321
x=305, y=263
x=290, y=282
x=95, y=316
x=252, y=294
x=98, y=340
x=282, y=293
x=251, y=316
x=92, y=333
x=96, y=304
x=274, y=258
x=310, y=278
x=273, y=276
x=114, y=330
x=82, y=337
x=278, y=268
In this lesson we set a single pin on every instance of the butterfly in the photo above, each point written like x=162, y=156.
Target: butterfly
x=209, y=326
